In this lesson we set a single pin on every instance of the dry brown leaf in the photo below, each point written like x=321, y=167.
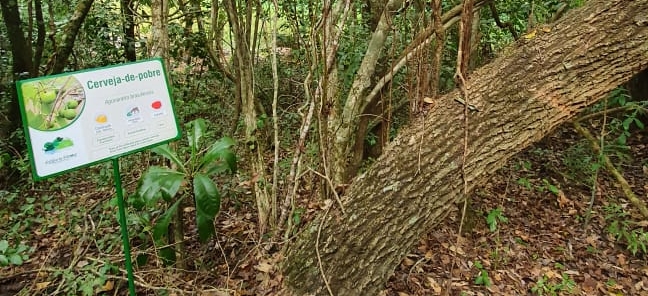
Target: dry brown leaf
x=82, y=263
x=552, y=274
x=434, y=285
x=264, y=267
x=643, y=223
x=215, y=293
x=531, y=35
x=108, y=286
x=563, y=200
x=621, y=259
x=408, y=262
x=458, y=250
x=639, y=285
x=445, y=259
x=428, y=100
x=592, y=240
x=572, y=272
x=41, y=286
x=589, y=284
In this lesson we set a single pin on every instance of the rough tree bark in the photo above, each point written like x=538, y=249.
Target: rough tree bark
x=21, y=51
x=22, y=64
x=159, y=43
x=60, y=58
x=521, y=96
x=128, y=28
x=343, y=125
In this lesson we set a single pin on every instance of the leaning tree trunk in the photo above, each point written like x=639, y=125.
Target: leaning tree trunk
x=521, y=97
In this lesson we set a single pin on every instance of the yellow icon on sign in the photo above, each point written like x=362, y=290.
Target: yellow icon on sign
x=101, y=118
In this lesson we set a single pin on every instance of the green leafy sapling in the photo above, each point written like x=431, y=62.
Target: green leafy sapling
x=188, y=176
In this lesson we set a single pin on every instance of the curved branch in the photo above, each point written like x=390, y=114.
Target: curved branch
x=507, y=25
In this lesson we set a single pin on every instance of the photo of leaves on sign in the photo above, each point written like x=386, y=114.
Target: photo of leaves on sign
x=53, y=104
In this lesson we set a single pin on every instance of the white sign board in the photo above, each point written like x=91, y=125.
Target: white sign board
x=81, y=118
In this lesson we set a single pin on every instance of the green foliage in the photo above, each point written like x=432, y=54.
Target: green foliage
x=86, y=279
x=101, y=36
x=495, y=216
x=191, y=175
x=12, y=255
x=579, y=163
x=546, y=286
x=547, y=186
x=296, y=216
x=482, y=278
x=624, y=230
x=620, y=124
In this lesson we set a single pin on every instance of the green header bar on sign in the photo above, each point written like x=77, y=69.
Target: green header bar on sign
x=77, y=119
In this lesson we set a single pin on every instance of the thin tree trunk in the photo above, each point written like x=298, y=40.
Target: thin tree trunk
x=128, y=27
x=40, y=34
x=343, y=126
x=20, y=48
x=22, y=66
x=245, y=91
x=159, y=43
x=521, y=96
x=69, y=36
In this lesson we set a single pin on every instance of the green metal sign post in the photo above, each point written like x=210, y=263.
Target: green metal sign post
x=123, y=225
x=82, y=118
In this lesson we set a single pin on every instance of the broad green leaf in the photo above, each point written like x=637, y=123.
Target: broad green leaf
x=167, y=254
x=3, y=260
x=220, y=150
x=159, y=182
x=142, y=259
x=15, y=259
x=4, y=245
x=199, y=127
x=136, y=201
x=622, y=139
x=227, y=163
x=627, y=122
x=161, y=228
x=169, y=154
x=639, y=124
x=207, y=205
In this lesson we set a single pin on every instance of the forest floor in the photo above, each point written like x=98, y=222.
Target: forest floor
x=524, y=235
x=544, y=247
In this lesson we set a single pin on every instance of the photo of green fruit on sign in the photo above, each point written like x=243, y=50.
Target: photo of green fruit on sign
x=52, y=104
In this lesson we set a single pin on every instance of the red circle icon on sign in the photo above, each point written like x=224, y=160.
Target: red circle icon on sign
x=156, y=105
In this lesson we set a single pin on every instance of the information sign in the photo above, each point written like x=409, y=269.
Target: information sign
x=81, y=118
